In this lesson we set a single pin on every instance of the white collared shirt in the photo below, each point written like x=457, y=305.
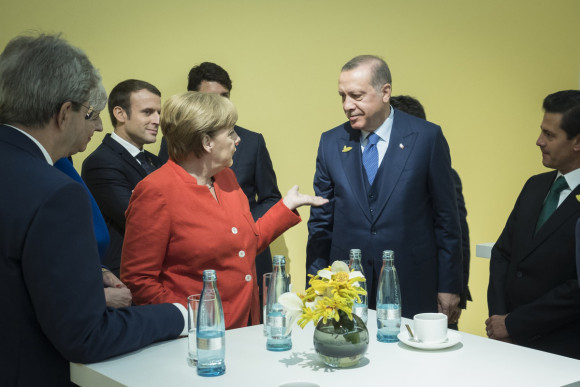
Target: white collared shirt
x=384, y=133
x=573, y=179
x=42, y=149
x=132, y=149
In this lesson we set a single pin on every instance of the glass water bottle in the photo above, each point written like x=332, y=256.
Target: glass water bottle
x=388, y=301
x=361, y=308
x=211, y=330
x=278, y=339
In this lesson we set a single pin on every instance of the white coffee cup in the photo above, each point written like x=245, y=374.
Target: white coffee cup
x=430, y=327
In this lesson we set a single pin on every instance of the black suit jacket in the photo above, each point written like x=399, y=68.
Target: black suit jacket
x=111, y=174
x=51, y=287
x=465, y=248
x=255, y=174
x=533, y=276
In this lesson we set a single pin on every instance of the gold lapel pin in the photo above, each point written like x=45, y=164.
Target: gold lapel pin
x=578, y=197
x=346, y=148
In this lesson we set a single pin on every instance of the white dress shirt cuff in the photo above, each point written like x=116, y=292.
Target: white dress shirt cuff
x=184, y=313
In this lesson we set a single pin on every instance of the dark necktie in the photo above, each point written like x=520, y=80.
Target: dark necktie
x=370, y=157
x=145, y=162
x=551, y=202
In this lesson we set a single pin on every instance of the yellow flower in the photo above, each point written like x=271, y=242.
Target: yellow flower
x=332, y=289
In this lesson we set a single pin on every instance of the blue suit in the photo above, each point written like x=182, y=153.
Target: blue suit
x=410, y=209
x=51, y=286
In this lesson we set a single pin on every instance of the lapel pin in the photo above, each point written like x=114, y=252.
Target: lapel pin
x=578, y=197
x=346, y=148
x=401, y=146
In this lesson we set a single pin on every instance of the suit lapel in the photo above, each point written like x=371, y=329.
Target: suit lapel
x=349, y=152
x=401, y=146
x=124, y=155
x=570, y=207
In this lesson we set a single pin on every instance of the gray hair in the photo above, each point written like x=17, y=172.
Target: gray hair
x=380, y=70
x=38, y=75
x=98, y=97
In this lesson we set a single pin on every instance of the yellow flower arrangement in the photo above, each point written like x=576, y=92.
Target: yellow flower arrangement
x=332, y=290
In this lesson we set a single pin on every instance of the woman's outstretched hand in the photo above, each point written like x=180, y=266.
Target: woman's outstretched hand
x=295, y=199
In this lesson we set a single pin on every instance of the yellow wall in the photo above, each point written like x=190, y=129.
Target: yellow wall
x=480, y=68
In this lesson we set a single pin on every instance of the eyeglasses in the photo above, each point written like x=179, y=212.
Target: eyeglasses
x=91, y=112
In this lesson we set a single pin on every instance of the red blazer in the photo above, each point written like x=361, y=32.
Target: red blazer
x=175, y=230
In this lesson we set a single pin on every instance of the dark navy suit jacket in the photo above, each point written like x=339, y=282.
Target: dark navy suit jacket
x=111, y=174
x=410, y=209
x=51, y=287
x=256, y=176
x=532, y=276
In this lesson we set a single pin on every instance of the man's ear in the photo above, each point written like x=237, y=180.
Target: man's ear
x=576, y=143
x=386, y=91
x=120, y=114
x=64, y=114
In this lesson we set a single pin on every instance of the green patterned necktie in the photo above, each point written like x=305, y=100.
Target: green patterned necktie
x=551, y=202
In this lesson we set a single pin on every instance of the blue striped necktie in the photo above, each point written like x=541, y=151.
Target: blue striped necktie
x=370, y=157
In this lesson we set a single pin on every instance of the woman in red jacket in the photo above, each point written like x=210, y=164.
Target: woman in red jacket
x=191, y=215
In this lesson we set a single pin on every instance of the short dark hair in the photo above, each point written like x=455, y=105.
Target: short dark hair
x=380, y=70
x=208, y=71
x=409, y=105
x=571, y=122
x=121, y=96
x=561, y=101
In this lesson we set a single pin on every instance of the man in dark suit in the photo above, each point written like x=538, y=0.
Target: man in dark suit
x=388, y=177
x=51, y=288
x=413, y=107
x=533, y=294
x=252, y=164
x=113, y=170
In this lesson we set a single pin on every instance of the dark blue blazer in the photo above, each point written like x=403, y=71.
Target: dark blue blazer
x=532, y=276
x=410, y=209
x=51, y=287
x=111, y=174
x=255, y=174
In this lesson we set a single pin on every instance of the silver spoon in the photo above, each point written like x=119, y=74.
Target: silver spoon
x=411, y=335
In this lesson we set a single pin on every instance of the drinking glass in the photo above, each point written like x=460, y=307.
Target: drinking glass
x=192, y=308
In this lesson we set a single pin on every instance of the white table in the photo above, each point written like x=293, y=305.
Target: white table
x=476, y=361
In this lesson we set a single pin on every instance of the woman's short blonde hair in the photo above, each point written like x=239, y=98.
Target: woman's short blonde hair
x=188, y=117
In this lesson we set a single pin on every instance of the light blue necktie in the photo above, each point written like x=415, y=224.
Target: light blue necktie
x=370, y=157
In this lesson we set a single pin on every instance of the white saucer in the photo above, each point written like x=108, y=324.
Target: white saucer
x=452, y=338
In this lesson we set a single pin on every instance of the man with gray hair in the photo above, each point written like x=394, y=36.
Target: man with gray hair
x=51, y=288
x=387, y=175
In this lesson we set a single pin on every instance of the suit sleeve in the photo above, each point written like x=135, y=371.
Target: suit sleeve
x=501, y=255
x=266, y=185
x=62, y=273
x=465, y=247
x=320, y=224
x=144, y=248
x=273, y=224
x=110, y=188
x=447, y=229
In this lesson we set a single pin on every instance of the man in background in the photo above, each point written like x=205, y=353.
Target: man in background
x=387, y=175
x=51, y=287
x=533, y=294
x=413, y=107
x=252, y=164
x=113, y=170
